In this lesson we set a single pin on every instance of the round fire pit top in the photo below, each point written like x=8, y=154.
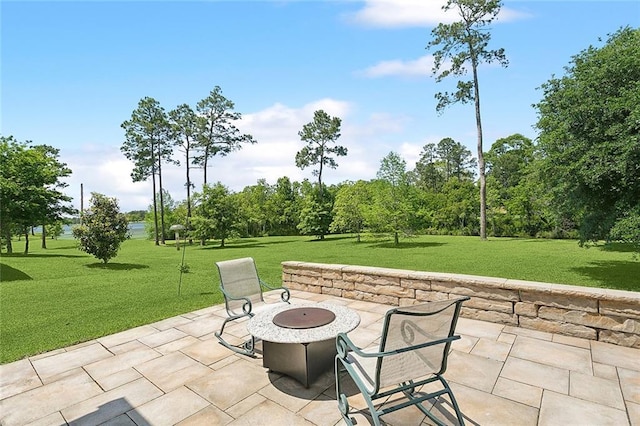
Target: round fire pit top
x=305, y=317
x=263, y=327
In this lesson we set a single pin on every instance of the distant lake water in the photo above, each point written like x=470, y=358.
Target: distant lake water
x=136, y=229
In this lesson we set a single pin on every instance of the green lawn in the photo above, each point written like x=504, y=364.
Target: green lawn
x=60, y=296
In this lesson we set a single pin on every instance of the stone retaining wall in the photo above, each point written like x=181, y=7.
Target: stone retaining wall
x=611, y=316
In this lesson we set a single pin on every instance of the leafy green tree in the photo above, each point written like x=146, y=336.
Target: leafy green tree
x=173, y=215
x=349, y=208
x=319, y=136
x=216, y=131
x=30, y=188
x=217, y=214
x=254, y=201
x=392, y=207
x=315, y=211
x=103, y=228
x=54, y=230
x=184, y=124
x=508, y=161
x=136, y=215
x=284, y=206
x=456, y=160
x=428, y=173
x=148, y=142
x=441, y=162
x=511, y=208
x=464, y=43
x=458, y=208
x=589, y=122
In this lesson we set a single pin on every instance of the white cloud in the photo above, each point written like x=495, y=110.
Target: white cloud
x=403, y=13
x=420, y=67
x=415, y=13
x=411, y=154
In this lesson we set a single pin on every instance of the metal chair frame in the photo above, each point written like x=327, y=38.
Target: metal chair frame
x=248, y=308
x=344, y=362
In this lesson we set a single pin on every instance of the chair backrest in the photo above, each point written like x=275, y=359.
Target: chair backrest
x=408, y=328
x=239, y=278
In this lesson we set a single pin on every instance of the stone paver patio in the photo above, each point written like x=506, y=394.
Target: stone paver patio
x=175, y=372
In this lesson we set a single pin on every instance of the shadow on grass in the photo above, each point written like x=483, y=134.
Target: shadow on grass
x=406, y=245
x=69, y=247
x=117, y=266
x=12, y=274
x=615, y=274
x=243, y=245
x=43, y=255
x=619, y=247
x=332, y=238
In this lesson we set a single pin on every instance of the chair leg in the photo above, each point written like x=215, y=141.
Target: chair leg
x=456, y=408
x=454, y=403
x=247, y=348
x=343, y=403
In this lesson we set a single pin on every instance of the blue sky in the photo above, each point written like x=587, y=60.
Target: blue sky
x=73, y=71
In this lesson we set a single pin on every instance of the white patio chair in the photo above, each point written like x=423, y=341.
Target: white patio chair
x=243, y=297
x=413, y=351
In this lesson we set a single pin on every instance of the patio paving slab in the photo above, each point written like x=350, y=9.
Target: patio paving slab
x=630, y=384
x=127, y=336
x=271, y=413
x=518, y=392
x=172, y=371
x=108, y=405
x=481, y=408
x=210, y=416
x=37, y=403
x=228, y=386
x=596, y=389
x=606, y=353
x=553, y=354
x=474, y=371
x=17, y=377
x=59, y=363
x=169, y=409
x=175, y=371
x=536, y=374
x=564, y=410
x=162, y=338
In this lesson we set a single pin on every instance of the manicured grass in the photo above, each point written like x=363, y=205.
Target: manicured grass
x=60, y=296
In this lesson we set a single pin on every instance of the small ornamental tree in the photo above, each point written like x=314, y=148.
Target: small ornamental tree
x=103, y=228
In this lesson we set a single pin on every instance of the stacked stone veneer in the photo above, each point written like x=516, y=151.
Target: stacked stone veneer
x=611, y=316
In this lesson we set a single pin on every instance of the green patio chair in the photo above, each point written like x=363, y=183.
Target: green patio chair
x=413, y=350
x=243, y=297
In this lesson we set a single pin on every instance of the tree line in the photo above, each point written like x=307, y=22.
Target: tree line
x=438, y=196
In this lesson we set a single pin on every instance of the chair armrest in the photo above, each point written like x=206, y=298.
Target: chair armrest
x=344, y=345
x=284, y=296
x=246, y=306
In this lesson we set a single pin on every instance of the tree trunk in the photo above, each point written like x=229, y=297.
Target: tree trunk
x=188, y=224
x=162, y=228
x=7, y=236
x=481, y=165
x=206, y=160
x=26, y=241
x=396, y=240
x=222, y=242
x=155, y=210
x=44, y=237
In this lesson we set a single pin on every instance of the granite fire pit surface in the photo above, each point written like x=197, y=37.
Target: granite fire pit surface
x=262, y=325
